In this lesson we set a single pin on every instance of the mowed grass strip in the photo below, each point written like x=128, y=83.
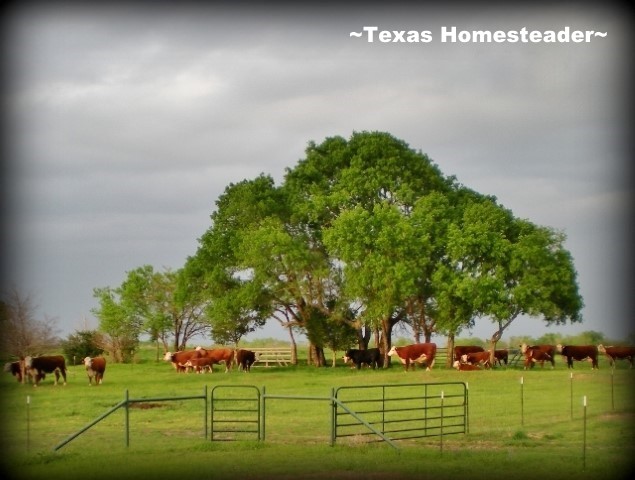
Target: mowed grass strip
x=517, y=429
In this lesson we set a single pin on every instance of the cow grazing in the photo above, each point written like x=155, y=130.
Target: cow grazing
x=618, y=353
x=15, y=369
x=579, y=352
x=95, y=368
x=218, y=355
x=465, y=366
x=534, y=355
x=477, y=358
x=37, y=367
x=416, y=353
x=180, y=358
x=461, y=350
x=245, y=359
x=371, y=357
x=550, y=350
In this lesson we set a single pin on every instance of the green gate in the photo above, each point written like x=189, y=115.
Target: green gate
x=402, y=412
x=235, y=412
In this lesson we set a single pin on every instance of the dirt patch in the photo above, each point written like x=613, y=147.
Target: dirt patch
x=146, y=405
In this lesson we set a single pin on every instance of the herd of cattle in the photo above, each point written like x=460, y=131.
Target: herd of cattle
x=465, y=358
x=470, y=357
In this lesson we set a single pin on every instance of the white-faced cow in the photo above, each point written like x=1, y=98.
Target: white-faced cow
x=218, y=355
x=460, y=350
x=579, y=353
x=534, y=355
x=477, y=358
x=180, y=358
x=245, y=359
x=200, y=364
x=422, y=353
x=618, y=353
x=37, y=367
x=15, y=368
x=370, y=356
x=549, y=350
x=465, y=366
x=95, y=368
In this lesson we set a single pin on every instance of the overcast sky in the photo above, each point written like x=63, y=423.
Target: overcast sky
x=125, y=125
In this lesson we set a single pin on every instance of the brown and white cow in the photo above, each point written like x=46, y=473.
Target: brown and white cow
x=415, y=353
x=618, y=353
x=477, y=358
x=579, y=353
x=37, y=367
x=460, y=350
x=15, y=368
x=95, y=368
x=180, y=358
x=245, y=359
x=200, y=364
x=550, y=350
x=218, y=355
x=534, y=355
x=465, y=366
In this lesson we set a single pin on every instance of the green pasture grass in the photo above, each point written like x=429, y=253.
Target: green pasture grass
x=534, y=428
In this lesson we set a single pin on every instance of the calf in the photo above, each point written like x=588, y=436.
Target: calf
x=200, y=364
x=579, y=352
x=15, y=368
x=179, y=359
x=95, y=368
x=416, y=353
x=218, y=355
x=533, y=356
x=618, y=353
x=371, y=357
x=550, y=350
x=37, y=367
x=477, y=358
x=461, y=350
x=465, y=366
x=245, y=359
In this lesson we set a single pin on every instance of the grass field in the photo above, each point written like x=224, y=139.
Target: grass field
x=534, y=428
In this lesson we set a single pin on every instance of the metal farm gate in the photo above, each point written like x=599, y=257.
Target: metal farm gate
x=387, y=412
x=403, y=412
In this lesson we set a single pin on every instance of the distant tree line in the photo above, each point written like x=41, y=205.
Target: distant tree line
x=363, y=235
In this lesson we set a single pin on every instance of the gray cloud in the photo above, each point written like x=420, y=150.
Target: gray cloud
x=126, y=125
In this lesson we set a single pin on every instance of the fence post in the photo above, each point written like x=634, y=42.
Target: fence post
x=127, y=419
x=441, y=435
x=333, y=416
x=522, y=403
x=264, y=415
x=584, y=435
x=28, y=423
x=205, y=417
x=571, y=393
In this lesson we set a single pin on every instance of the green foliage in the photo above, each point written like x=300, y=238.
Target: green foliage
x=82, y=344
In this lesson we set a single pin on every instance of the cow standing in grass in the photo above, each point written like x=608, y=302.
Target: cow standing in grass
x=95, y=368
x=618, y=353
x=37, y=367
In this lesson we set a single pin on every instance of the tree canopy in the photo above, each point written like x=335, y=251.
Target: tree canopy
x=362, y=234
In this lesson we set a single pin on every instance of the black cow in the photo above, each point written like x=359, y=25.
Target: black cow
x=38, y=366
x=579, y=352
x=245, y=359
x=371, y=357
x=15, y=369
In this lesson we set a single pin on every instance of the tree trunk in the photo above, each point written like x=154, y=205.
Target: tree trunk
x=450, y=360
x=294, y=348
